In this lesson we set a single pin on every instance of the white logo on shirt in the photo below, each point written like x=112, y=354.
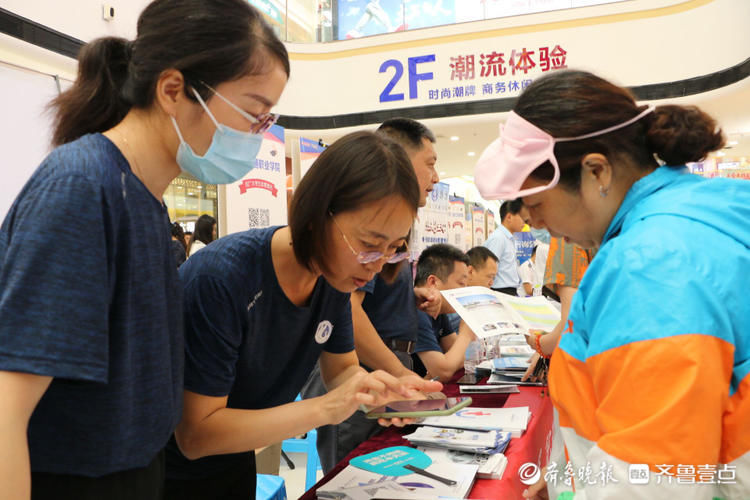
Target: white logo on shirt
x=252, y=302
x=323, y=332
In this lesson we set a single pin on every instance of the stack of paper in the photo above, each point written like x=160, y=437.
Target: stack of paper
x=485, y=442
x=513, y=420
x=508, y=388
x=490, y=466
x=500, y=365
x=357, y=484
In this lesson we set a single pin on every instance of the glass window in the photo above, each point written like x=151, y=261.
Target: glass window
x=188, y=198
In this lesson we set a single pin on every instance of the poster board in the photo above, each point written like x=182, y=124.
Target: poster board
x=309, y=150
x=259, y=199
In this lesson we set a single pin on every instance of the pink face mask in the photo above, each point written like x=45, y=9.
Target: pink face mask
x=521, y=148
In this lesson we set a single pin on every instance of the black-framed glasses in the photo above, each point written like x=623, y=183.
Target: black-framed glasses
x=261, y=123
x=369, y=257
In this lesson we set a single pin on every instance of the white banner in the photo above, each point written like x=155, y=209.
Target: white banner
x=259, y=198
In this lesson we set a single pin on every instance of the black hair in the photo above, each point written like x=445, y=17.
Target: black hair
x=357, y=169
x=510, y=207
x=176, y=231
x=572, y=103
x=407, y=132
x=479, y=255
x=204, y=230
x=207, y=41
x=439, y=260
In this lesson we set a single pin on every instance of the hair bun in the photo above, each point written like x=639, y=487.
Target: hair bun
x=681, y=134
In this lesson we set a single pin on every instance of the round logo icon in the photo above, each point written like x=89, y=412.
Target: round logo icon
x=323, y=332
x=529, y=473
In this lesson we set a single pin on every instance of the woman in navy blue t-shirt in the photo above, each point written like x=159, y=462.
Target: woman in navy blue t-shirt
x=91, y=339
x=263, y=306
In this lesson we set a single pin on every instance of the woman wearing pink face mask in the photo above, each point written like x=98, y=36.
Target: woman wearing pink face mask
x=650, y=380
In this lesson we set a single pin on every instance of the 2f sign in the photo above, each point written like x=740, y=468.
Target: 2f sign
x=415, y=76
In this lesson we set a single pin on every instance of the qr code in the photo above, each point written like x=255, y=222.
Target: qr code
x=259, y=217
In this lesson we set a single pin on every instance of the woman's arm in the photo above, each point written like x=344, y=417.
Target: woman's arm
x=21, y=393
x=208, y=427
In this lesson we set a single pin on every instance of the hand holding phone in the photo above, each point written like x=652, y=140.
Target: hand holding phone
x=419, y=408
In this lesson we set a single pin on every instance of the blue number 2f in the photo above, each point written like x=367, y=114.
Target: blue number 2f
x=414, y=77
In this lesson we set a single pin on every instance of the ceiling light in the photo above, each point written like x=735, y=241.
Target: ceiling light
x=454, y=138
x=732, y=143
x=720, y=153
x=443, y=173
x=472, y=153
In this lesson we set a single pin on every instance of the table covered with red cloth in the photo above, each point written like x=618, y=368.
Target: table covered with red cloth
x=532, y=446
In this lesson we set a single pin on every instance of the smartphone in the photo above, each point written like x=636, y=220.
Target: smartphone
x=420, y=408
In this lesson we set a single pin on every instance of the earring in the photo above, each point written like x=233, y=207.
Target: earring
x=603, y=191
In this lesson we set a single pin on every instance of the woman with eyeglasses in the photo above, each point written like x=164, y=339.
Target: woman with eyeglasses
x=91, y=356
x=264, y=305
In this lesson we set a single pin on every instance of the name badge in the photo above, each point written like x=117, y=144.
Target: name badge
x=323, y=332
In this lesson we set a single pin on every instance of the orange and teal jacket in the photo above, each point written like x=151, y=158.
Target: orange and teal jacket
x=651, y=379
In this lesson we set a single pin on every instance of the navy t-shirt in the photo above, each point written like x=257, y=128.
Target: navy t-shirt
x=392, y=309
x=245, y=339
x=431, y=331
x=89, y=295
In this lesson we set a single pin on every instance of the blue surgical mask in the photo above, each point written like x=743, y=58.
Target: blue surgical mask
x=541, y=235
x=229, y=157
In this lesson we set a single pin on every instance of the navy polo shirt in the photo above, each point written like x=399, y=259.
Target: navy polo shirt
x=245, y=339
x=392, y=308
x=89, y=295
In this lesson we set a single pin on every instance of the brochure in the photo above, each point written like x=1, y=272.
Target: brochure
x=490, y=466
x=353, y=483
x=489, y=313
x=513, y=420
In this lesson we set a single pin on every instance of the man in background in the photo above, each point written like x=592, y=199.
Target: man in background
x=513, y=217
x=482, y=266
x=440, y=349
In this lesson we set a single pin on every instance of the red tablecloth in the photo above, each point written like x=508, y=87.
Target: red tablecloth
x=533, y=446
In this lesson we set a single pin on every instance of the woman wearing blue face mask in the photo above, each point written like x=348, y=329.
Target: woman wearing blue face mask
x=91, y=364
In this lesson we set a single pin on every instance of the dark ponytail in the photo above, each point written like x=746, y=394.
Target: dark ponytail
x=94, y=103
x=210, y=41
x=572, y=103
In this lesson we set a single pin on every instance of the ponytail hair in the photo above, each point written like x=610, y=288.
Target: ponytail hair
x=207, y=41
x=94, y=102
x=572, y=103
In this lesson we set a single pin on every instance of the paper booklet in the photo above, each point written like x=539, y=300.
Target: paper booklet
x=353, y=483
x=460, y=439
x=511, y=378
x=489, y=313
x=513, y=420
x=490, y=466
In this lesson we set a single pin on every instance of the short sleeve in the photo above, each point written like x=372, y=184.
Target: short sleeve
x=426, y=338
x=526, y=273
x=342, y=337
x=213, y=335
x=54, y=281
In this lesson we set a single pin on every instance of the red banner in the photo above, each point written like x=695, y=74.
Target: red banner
x=258, y=184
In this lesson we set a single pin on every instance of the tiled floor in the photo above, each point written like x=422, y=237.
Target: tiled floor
x=295, y=479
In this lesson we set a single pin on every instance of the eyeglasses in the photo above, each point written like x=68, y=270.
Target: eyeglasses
x=261, y=123
x=369, y=257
